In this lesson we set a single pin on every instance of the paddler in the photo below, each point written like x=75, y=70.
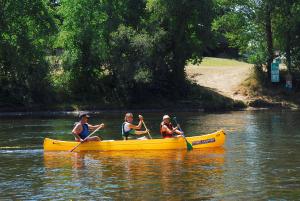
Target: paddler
x=130, y=129
x=166, y=128
x=82, y=129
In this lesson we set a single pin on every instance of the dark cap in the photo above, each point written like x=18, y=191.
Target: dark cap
x=83, y=114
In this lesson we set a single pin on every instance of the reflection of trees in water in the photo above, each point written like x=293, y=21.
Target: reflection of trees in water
x=149, y=174
x=28, y=132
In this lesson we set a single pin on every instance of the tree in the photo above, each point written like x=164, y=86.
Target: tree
x=82, y=39
x=247, y=24
x=87, y=36
x=182, y=34
x=135, y=43
x=257, y=28
x=130, y=62
x=267, y=12
x=286, y=25
x=26, y=28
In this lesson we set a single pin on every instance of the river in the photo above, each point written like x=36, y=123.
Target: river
x=259, y=161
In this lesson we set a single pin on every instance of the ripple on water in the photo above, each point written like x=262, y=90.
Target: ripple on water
x=23, y=150
x=259, y=162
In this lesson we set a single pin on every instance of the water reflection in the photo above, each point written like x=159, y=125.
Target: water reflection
x=141, y=173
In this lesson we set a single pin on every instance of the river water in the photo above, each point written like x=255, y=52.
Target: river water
x=259, y=161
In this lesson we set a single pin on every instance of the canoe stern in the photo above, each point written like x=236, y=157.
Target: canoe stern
x=216, y=139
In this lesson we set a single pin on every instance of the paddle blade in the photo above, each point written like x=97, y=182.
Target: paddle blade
x=189, y=146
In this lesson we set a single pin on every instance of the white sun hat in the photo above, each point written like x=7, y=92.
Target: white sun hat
x=166, y=117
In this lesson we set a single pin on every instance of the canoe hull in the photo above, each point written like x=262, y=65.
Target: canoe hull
x=216, y=139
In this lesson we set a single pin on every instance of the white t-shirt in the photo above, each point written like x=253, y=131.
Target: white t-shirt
x=126, y=127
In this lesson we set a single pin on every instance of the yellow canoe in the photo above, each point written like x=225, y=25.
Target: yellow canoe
x=216, y=139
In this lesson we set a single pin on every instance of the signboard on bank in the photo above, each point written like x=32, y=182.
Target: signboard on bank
x=275, y=72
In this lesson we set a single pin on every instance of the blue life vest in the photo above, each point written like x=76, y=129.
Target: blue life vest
x=85, y=131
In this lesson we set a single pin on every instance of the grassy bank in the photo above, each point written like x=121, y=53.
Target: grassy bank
x=221, y=62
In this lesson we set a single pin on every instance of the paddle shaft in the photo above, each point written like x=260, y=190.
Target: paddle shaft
x=86, y=138
x=189, y=145
x=147, y=129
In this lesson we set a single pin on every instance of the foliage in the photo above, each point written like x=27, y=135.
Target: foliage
x=242, y=24
x=129, y=62
x=186, y=35
x=287, y=31
x=26, y=28
x=81, y=38
x=258, y=28
x=119, y=51
x=138, y=44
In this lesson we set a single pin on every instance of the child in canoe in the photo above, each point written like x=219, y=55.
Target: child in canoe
x=130, y=129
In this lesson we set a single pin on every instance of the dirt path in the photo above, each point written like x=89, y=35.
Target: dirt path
x=223, y=78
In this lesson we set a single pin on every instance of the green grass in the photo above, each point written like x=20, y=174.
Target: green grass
x=212, y=61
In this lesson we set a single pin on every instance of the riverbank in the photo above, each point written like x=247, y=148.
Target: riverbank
x=214, y=85
x=199, y=99
x=238, y=81
x=271, y=96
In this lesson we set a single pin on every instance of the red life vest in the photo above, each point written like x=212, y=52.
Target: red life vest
x=165, y=134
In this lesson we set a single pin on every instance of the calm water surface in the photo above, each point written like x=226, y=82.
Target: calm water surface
x=260, y=161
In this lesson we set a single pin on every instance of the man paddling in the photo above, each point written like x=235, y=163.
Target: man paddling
x=166, y=128
x=82, y=129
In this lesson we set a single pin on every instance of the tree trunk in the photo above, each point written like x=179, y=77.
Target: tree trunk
x=179, y=51
x=288, y=38
x=288, y=51
x=269, y=38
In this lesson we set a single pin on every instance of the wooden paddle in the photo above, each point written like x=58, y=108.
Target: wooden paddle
x=189, y=146
x=145, y=126
x=147, y=130
x=85, y=138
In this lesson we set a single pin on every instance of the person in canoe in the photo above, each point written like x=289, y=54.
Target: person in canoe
x=166, y=128
x=82, y=129
x=130, y=129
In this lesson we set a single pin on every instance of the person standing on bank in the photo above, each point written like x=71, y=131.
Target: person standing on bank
x=130, y=129
x=82, y=129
